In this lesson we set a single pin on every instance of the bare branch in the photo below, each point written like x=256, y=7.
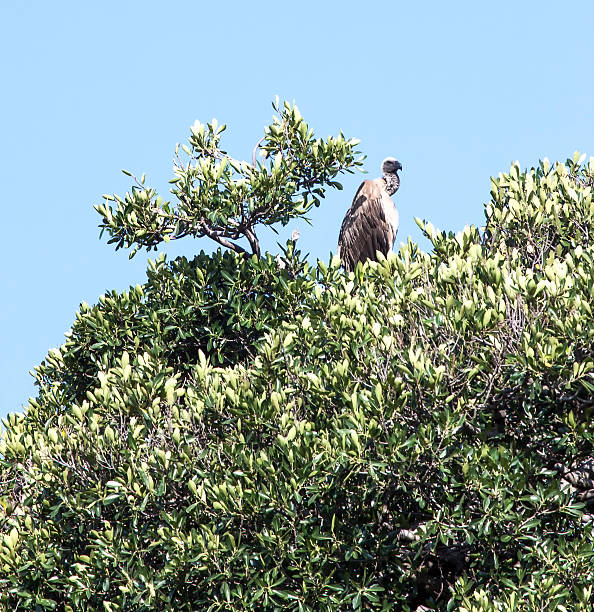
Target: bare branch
x=253, y=240
x=255, y=149
x=217, y=237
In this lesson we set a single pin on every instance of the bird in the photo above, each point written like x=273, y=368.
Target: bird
x=371, y=223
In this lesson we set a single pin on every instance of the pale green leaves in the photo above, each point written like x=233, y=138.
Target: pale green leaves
x=224, y=199
x=228, y=432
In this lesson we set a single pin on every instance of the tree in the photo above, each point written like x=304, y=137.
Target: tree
x=234, y=435
x=226, y=199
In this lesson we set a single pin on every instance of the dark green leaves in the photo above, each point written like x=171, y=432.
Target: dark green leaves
x=236, y=434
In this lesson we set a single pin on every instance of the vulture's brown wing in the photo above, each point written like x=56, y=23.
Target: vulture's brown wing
x=365, y=229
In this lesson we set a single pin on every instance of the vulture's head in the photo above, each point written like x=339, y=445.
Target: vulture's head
x=391, y=165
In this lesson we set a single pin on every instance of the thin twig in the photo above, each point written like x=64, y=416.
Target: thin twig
x=255, y=149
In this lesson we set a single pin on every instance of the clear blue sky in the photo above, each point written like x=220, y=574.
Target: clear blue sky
x=455, y=90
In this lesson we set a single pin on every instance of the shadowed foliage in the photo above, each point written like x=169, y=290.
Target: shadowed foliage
x=237, y=434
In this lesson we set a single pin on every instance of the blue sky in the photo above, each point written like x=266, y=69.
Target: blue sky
x=455, y=90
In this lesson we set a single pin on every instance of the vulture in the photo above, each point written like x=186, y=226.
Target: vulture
x=371, y=223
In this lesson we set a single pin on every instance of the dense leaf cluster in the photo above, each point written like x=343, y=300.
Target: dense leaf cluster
x=236, y=434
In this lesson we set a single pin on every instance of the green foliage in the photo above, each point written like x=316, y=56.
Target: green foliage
x=239, y=435
x=220, y=304
x=226, y=199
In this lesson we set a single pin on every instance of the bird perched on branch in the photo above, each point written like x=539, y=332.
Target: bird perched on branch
x=371, y=223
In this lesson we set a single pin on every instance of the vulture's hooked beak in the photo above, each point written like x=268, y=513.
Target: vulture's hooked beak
x=398, y=166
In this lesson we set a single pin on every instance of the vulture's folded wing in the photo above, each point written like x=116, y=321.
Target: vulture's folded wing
x=365, y=228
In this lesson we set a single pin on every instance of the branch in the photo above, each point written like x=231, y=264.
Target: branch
x=206, y=231
x=253, y=240
x=255, y=149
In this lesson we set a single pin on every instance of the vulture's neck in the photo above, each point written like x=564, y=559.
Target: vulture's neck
x=392, y=182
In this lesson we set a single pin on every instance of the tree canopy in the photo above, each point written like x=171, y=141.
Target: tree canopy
x=235, y=434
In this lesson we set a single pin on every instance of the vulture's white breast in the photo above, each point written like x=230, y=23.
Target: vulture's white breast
x=390, y=211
